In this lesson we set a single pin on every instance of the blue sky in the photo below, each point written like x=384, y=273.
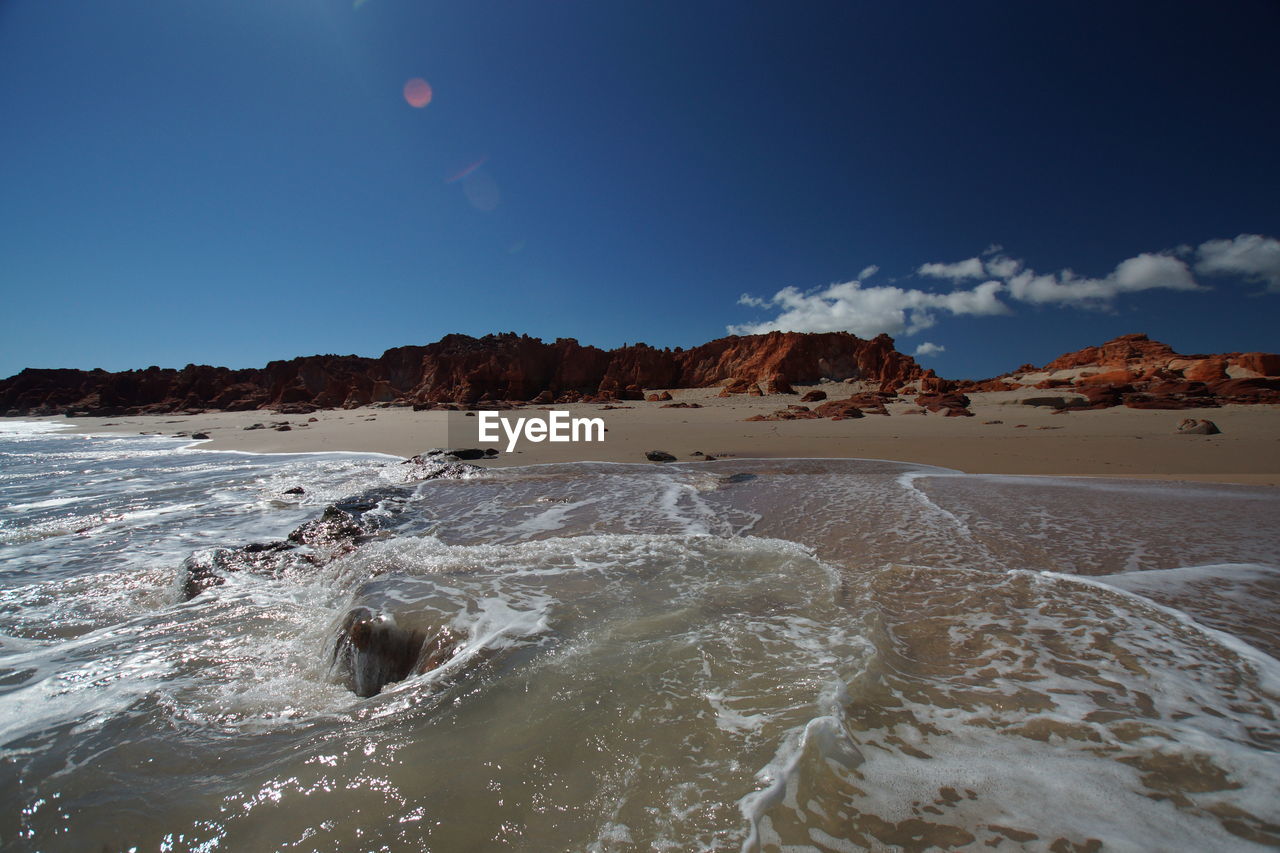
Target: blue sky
x=236, y=182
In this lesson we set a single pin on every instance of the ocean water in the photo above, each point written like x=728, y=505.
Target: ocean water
x=736, y=655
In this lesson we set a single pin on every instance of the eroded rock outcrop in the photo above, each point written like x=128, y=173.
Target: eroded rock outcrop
x=1139, y=373
x=464, y=371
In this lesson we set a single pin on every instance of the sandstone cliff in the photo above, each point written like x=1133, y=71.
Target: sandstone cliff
x=1135, y=371
x=462, y=369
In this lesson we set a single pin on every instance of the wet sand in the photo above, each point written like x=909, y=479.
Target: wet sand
x=1004, y=436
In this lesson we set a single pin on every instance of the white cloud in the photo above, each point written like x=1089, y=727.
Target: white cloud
x=868, y=311
x=927, y=349
x=1251, y=256
x=1143, y=272
x=1002, y=267
x=969, y=268
x=867, y=272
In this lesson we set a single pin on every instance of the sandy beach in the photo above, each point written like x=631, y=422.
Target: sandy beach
x=1005, y=436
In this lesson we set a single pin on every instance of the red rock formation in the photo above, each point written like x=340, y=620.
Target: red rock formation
x=463, y=370
x=778, y=384
x=1138, y=372
x=1118, y=353
x=839, y=409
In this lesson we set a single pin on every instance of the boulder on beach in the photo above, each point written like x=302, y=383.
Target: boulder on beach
x=778, y=384
x=813, y=396
x=1198, y=426
x=659, y=456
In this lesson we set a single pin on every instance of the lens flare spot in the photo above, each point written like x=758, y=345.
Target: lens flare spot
x=482, y=192
x=465, y=170
x=417, y=92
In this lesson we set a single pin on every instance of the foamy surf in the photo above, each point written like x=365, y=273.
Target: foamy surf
x=754, y=655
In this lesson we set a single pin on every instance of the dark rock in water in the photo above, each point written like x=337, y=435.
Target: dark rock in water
x=200, y=435
x=296, y=490
x=659, y=456
x=335, y=527
x=440, y=454
x=370, y=651
x=205, y=569
x=738, y=478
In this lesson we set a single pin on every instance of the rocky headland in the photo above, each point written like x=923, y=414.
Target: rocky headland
x=504, y=370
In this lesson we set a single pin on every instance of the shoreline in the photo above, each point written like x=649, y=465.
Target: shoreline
x=1004, y=436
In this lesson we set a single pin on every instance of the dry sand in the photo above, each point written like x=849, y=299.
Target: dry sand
x=1115, y=442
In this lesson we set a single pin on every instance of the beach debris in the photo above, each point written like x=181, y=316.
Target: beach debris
x=370, y=651
x=989, y=423
x=813, y=396
x=681, y=406
x=1198, y=426
x=659, y=456
x=697, y=453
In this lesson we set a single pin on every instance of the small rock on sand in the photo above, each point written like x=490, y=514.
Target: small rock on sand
x=1198, y=426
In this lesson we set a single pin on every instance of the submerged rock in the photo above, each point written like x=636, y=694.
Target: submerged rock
x=205, y=569
x=335, y=527
x=371, y=651
x=442, y=454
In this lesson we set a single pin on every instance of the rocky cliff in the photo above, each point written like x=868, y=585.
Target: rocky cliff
x=466, y=370
x=1135, y=371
